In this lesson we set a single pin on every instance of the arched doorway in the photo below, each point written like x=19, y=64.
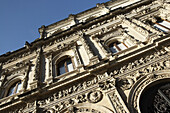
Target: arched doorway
x=156, y=98
x=147, y=91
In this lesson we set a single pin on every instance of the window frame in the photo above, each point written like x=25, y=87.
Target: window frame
x=115, y=44
x=64, y=59
x=158, y=24
x=14, y=86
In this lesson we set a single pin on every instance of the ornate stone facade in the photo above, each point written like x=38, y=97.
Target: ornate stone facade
x=113, y=58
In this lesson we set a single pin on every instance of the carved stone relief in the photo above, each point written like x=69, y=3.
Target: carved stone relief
x=117, y=102
x=107, y=84
x=75, y=88
x=143, y=61
x=94, y=96
x=161, y=101
x=125, y=83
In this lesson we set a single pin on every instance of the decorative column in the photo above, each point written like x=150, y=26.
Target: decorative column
x=117, y=102
x=37, y=70
x=49, y=76
x=77, y=56
x=93, y=59
x=102, y=47
x=25, y=79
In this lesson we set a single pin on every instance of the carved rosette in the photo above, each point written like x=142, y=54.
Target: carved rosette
x=94, y=96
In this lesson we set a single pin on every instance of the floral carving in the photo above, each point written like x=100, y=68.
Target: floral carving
x=107, y=84
x=117, y=102
x=144, y=61
x=37, y=65
x=80, y=98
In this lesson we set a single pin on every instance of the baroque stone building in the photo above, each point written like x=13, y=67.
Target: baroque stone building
x=113, y=58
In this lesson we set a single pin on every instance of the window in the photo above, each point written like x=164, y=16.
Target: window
x=162, y=25
x=14, y=88
x=65, y=66
x=117, y=46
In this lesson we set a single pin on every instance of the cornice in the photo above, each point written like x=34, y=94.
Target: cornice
x=84, y=27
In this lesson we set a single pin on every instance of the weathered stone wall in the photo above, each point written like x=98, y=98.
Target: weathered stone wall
x=102, y=81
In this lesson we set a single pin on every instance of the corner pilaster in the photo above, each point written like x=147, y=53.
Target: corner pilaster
x=49, y=77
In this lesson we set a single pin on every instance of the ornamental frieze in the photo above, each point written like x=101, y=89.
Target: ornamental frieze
x=17, y=66
x=126, y=82
x=107, y=84
x=87, y=110
x=117, y=102
x=143, y=61
x=75, y=88
x=91, y=97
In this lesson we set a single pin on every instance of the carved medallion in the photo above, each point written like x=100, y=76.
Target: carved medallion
x=126, y=83
x=94, y=96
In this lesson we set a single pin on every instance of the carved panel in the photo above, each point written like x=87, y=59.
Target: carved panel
x=117, y=102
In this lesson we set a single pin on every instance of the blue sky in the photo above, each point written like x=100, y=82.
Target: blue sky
x=20, y=19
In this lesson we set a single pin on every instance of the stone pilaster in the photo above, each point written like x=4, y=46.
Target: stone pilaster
x=25, y=79
x=117, y=102
x=102, y=47
x=93, y=59
x=79, y=63
x=49, y=76
x=37, y=71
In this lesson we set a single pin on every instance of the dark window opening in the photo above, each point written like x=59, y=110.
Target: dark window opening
x=65, y=66
x=117, y=46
